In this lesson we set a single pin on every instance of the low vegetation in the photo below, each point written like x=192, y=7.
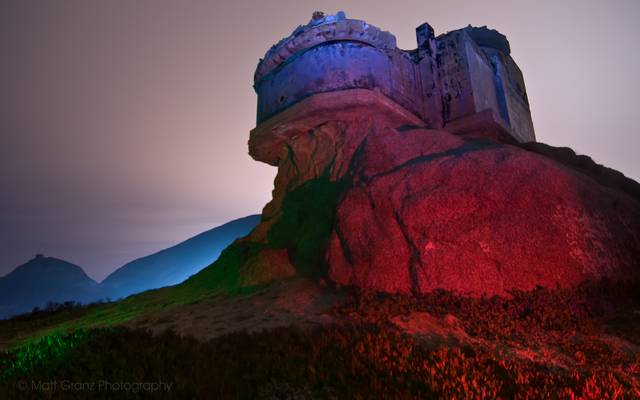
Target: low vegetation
x=586, y=341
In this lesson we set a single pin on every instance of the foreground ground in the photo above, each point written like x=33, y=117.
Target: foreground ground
x=301, y=340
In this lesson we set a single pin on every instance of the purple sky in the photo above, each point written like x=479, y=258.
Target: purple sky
x=123, y=124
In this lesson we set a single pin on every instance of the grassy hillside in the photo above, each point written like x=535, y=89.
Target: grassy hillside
x=574, y=343
x=219, y=279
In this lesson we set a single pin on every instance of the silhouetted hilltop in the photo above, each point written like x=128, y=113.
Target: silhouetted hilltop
x=42, y=280
x=46, y=279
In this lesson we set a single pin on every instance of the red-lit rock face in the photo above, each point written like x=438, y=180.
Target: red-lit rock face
x=428, y=210
x=423, y=209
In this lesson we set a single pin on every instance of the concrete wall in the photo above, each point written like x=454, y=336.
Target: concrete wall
x=325, y=68
x=338, y=66
x=453, y=77
x=405, y=82
x=511, y=82
x=482, y=77
x=519, y=116
x=518, y=103
x=430, y=92
x=448, y=78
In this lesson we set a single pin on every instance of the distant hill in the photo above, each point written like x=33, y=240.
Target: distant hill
x=177, y=263
x=47, y=279
x=44, y=279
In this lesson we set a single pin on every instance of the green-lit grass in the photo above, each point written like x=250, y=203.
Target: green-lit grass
x=45, y=352
x=215, y=281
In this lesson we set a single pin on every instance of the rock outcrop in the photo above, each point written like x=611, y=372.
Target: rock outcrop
x=415, y=170
x=365, y=196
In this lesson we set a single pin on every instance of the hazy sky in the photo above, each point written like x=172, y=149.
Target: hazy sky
x=124, y=124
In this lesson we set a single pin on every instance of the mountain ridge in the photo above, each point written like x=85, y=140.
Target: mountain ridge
x=199, y=258
x=24, y=288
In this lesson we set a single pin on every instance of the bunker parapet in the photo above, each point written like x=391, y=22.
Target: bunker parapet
x=462, y=81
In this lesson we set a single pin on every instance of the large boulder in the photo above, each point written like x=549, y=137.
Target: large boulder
x=366, y=195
